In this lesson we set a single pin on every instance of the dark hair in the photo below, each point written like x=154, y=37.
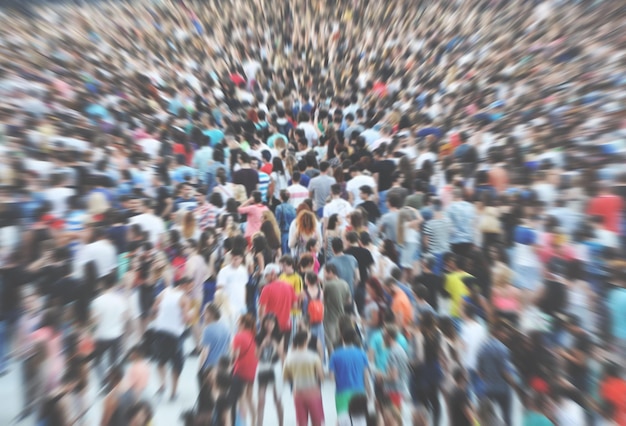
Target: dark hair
x=300, y=339
x=330, y=268
x=352, y=237
x=337, y=245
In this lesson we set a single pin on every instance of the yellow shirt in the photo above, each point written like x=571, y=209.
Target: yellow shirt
x=295, y=280
x=457, y=290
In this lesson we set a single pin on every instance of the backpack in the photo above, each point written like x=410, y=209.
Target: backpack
x=315, y=308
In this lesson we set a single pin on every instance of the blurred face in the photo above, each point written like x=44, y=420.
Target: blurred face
x=236, y=261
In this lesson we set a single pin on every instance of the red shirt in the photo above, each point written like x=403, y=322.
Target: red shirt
x=614, y=390
x=267, y=168
x=246, y=362
x=278, y=299
x=610, y=208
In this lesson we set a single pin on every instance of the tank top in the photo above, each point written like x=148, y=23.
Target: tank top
x=169, y=319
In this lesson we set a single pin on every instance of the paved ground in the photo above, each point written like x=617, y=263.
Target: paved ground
x=167, y=413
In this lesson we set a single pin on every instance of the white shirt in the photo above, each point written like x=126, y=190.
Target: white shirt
x=569, y=413
x=233, y=282
x=169, y=318
x=338, y=206
x=357, y=182
x=422, y=158
x=57, y=197
x=309, y=132
x=473, y=335
x=102, y=253
x=150, y=147
x=110, y=312
x=150, y=223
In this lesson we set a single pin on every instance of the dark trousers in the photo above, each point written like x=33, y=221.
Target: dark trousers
x=102, y=347
x=503, y=399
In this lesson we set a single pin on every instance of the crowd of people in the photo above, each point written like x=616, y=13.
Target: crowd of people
x=420, y=202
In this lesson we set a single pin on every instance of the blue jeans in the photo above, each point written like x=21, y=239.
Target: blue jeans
x=284, y=243
x=4, y=346
x=382, y=202
x=317, y=330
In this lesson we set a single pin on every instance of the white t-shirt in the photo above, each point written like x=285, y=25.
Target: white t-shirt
x=233, y=282
x=473, y=335
x=150, y=147
x=110, y=312
x=309, y=132
x=357, y=182
x=338, y=206
x=569, y=413
x=102, y=253
x=150, y=223
x=57, y=197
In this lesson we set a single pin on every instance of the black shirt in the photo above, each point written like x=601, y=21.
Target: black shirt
x=458, y=403
x=554, y=298
x=434, y=284
x=248, y=178
x=577, y=372
x=385, y=169
x=364, y=259
x=370, y=207
x=162, y=195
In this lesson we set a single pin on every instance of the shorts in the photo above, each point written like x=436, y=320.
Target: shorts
x=265, y=377
x=168, y=348
x=409, y=254
x=342, y=401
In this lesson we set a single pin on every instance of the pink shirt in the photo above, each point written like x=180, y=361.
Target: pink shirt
x=255, y=218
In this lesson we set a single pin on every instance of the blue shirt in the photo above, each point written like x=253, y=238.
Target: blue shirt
x=349, y=364
x=285, y=214
x=616, y=302
x=264, y=184
x=216, y=135
x=494, y=359
x=381, y=351
x=216, y=338
x=463, y=217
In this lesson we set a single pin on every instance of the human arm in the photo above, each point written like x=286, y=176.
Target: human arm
x=109, y=406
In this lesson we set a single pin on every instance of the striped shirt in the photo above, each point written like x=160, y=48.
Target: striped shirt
x=297, y=194
x=207, y=215
x=437, y=231
x=264, y=184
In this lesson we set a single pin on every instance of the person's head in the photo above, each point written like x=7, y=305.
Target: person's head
x=330, y=271
x=337, y=245
x=350, y=337
x=311, y=280
x=324, y=167
x=460, y=378
x=284, y=195
x=257, y=197
x=270, y=324
x=365, y=192
x=394, y=200
x=450, y=261
x=352, y=238
x=301, y=339
x=335, y=190
x=271, y=272
x=287, y=264
x=212, y=313
x=247, y=322
x=236, y=258
x=306, y=222
x=184, y=283
x=295, y=177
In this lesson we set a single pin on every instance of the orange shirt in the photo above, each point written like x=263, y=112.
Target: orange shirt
x=401, y=305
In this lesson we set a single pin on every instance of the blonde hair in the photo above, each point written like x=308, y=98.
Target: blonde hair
x=188, y=226
x=97, y=204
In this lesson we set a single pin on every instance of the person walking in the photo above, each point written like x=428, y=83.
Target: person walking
x=303, y=371
x=349, y=368
x=173, y=314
